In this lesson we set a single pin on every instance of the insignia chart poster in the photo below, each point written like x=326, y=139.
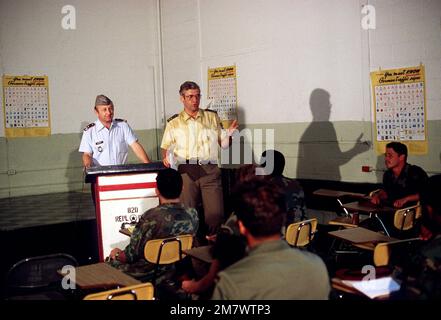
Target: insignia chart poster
x=222, y=91
x=26, y=106
x=400, y=108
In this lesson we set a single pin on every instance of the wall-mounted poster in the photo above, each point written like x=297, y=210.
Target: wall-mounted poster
x=400, y=108
x=26, y=106
x=222, y=91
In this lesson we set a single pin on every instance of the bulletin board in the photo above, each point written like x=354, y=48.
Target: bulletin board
x=26, y=106
x=222, y=91
x=399, y=97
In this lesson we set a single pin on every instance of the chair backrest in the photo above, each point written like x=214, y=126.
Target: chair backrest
x=404, y=219
x=382, y=251
x=300, y=234
x=38, y=272
x=167, y=251
x=143, y=291
x=382, y=254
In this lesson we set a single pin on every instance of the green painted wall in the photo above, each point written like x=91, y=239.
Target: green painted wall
x=50, y=164
x=330, y=150
x=318, y=150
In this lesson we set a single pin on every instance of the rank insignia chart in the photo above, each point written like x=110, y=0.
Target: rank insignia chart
x=399, y=107
x=222, y=91
x=26, y=106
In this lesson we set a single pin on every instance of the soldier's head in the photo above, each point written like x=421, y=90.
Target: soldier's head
x=259, y=206
x=396, y=154
x=104, y=109
x=169, y=183
x=190, y=96
x=273, y=161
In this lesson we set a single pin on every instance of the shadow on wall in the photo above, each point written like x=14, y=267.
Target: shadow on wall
x=74, y=163
x=320, y=156
x=380, y=168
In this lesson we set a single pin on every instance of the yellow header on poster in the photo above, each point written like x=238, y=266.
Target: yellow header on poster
x=222, y=72
x=26, y=106
x=399, y=97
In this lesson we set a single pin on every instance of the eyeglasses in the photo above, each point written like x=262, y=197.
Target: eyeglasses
x=191, y=96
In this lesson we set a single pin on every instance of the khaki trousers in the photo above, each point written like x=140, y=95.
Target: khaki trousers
x=203, y=185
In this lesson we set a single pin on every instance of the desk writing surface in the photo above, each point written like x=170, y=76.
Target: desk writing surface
x=367, y=206
x=101, y=275
x=360, y=235
x=202, y=253
x=337, y=194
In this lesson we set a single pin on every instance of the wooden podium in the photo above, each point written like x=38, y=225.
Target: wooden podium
x=122, y=193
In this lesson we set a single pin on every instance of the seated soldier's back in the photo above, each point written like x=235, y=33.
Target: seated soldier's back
x=273, y=270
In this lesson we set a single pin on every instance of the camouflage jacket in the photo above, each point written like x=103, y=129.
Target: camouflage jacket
x=163, y=221
x=294, y=198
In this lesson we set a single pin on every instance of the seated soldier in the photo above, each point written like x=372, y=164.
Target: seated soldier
x=228, y=247
x=170, y=218
x=293, y=192
x=271, y=269
x=419, y=269
x=402, y=181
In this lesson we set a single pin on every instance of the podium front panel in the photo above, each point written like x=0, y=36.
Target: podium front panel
x=121, y=198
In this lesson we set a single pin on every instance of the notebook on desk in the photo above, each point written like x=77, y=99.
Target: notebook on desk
x=375, y=288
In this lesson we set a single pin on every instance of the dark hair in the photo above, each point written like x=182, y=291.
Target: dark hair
x=278, y=160
x=259, y=204
x=188, y=85
x=398, y=147
x=169, y=183
x=245, y=173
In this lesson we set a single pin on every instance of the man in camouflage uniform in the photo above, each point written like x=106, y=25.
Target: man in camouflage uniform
x=273, y=162
x=168, y=219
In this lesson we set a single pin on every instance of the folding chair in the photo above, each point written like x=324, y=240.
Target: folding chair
x=37, y=278
x=300, y=234
x=166, y=251
x=404, y=219
x=143, y=291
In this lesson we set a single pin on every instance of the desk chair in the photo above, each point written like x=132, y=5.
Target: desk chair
x=345, y=221
x=166, y=251
x=36, y=278
x=143, y=291
x=300, y=234
x=342, y=222
x=382, y=253
x=404, y=219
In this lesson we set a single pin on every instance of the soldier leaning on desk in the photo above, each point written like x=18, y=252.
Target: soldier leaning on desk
x=402, y=181
x=192, y=138
x=402, y=185
x=106, y=141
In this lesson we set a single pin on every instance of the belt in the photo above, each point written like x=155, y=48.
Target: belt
x=200, y=162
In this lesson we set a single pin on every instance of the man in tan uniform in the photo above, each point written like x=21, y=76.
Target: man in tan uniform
x=191, y=141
